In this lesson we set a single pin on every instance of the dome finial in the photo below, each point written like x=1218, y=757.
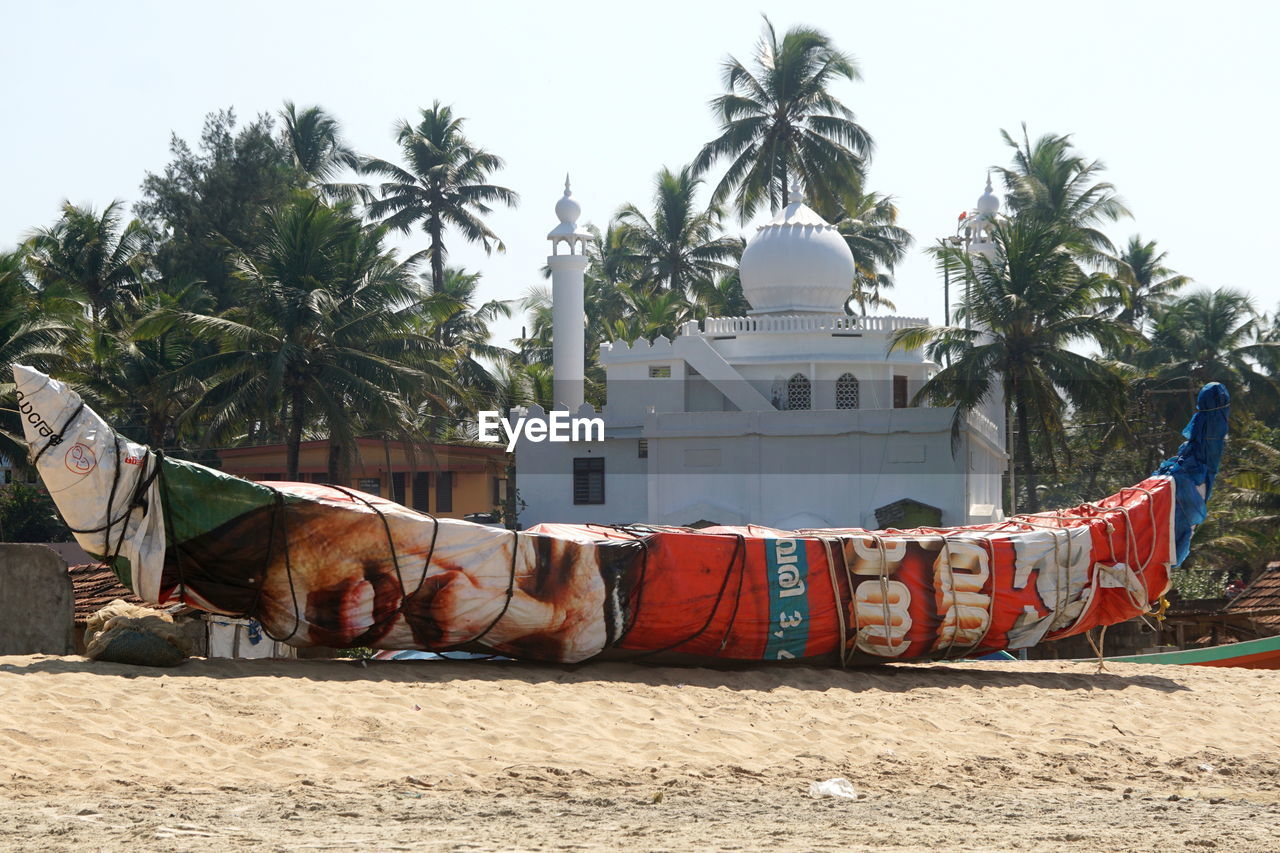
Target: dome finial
x=568, y=192
x=567, y=209
x=566, y=181
x=796, y=196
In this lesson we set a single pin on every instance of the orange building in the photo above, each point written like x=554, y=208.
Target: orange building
x=448, y=480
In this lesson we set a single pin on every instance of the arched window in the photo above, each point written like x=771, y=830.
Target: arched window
x=847, y=391
x=798, y=392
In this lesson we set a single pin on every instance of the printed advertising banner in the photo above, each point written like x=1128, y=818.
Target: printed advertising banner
x=329, y=566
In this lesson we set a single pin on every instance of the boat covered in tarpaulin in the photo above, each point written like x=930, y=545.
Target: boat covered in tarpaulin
x=329, y=566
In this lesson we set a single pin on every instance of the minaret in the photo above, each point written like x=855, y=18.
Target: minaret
x=568, y=315
x=977, y=231
x=976, y=228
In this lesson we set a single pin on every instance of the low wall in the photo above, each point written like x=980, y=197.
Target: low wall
x=36, y=602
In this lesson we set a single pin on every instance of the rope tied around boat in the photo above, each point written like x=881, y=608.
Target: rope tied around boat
x=280, y=512
x=738, y=557
x=59, y=436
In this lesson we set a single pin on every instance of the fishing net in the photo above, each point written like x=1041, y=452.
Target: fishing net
x=126, y=633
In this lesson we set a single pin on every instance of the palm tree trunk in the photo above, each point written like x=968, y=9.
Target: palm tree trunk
x=1024, y=450
x=436, y=229
x=157, y=428
x=295, y=431
x=1095, y=467
x=336, y=452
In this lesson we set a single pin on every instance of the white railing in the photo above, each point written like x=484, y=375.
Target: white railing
x=984, y=425
x=800, y=323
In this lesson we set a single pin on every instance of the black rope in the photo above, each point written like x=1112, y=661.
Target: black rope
x=136, y=501
x=57, y=437
x=255, y=605
x=170, y=539
x=636, y=595
x=395, y=558
x=737, y=598
x=511, y=591
x=282, y=516
x=738, y=548
x=386, y=528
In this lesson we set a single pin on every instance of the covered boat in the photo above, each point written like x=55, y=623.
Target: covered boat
x=330, y=566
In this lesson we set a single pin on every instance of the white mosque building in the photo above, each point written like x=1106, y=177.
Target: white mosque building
x=794, y=416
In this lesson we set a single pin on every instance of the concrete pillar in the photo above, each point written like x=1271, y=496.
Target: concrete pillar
x=37, y=606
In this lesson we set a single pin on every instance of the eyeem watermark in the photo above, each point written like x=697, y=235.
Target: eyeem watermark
x=559, y=426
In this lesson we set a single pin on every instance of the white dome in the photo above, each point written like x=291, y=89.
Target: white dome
x=567, y=209
x=797, y=263
x=988, y=204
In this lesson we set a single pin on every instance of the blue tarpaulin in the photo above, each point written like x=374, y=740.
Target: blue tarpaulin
x=1196, y=465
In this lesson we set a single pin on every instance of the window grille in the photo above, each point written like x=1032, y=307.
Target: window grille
x=799, y=395
x=588, y=480
x=847, y=391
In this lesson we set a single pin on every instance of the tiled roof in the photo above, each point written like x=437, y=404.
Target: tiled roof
x=1262, y=594
x=95, y=587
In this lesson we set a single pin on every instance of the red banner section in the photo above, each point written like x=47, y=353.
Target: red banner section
x=753, y=593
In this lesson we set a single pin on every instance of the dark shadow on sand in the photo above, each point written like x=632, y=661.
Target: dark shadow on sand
x=893, y=678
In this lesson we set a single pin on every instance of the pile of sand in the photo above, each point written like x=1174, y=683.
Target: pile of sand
x=676, y=752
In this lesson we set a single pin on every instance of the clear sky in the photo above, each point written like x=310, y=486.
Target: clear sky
x=1179, y=100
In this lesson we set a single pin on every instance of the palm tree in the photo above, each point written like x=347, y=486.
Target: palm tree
x=1243, y=532
x=868, y=223
x=610, y=261
x=534, y=344
x=779, y=122
x=679, y=248
x=313, y=140
x=1052, y=183
x=524, y=384
x=444, y=185
x=720, y=298
x=29, y=334
x=1256, y=483
x=651, y=314
x=460, y=329
x=322, y=333
x=93, y=255
x=143, y=378
x=1025, y=309
x=1140, y=281
x=1213, y=336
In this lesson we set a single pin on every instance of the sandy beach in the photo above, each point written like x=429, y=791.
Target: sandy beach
x=311, y=755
